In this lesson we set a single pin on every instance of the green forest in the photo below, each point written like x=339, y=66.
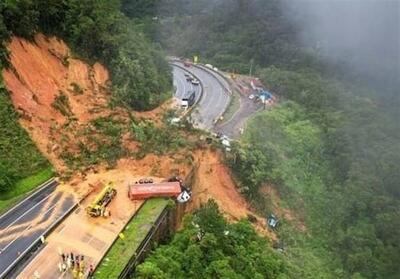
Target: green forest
x=331, y=147
x=19, y=156
x=96, y=31
x=209, y=247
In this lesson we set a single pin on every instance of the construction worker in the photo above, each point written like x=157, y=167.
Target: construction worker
x=60, y=267
x=69, y=262
x=74, y=273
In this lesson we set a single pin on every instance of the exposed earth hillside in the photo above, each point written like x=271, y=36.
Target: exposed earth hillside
x=43, y=70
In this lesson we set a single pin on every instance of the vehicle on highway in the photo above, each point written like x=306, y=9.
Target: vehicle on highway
x=189, y=99
x=187, y=63
x=186, y=75
x=209, y=66
x=189, y=78
x=251, y=96
x=195, y=82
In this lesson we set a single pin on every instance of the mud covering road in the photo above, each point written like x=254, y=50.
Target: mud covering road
x=23, y=225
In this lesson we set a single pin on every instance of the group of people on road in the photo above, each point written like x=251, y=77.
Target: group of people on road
x=76, y=264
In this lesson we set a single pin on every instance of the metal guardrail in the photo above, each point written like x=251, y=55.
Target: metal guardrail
x=28, y=195
x=115, y=240
x=201, y=83
x=217, y=75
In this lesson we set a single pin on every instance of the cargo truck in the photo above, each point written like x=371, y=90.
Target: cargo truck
x=151, y=190
x=189, y=99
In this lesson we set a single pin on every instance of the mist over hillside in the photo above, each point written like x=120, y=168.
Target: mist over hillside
x=362, y=35
x=331, y=148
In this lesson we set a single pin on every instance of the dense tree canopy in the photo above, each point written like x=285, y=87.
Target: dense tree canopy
x=19, y=156
x=97, y=31
x=209, y=247
x=332, y=151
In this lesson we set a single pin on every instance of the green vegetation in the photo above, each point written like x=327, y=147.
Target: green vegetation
x=23, y=186
x=157, y=140
x=331, y=150
x=209, y=247
x=233, y=106
x=125, y=248
x=100, y=141
x=61, y=103
x=315, y=155
x=97, y=31
x=19, y=156
x=105, y=139
x=76, y=88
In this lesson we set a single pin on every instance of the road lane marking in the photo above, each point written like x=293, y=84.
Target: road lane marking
x=30, y=226
x=39, y=188
x=26, y=212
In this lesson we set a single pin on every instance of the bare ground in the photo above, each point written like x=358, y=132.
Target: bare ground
x=41, y=70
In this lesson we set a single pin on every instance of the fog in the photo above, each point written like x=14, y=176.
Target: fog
x=362, y=34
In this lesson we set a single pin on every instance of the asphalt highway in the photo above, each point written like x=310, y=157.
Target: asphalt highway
x=24, y=224
x=215, y=97
x=183, y=86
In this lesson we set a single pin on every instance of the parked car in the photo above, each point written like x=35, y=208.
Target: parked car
x=251, y=96
x=195, y=82
x=189, y=78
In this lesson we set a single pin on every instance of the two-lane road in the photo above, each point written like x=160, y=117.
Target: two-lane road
x=215, y=97
x=24, y=224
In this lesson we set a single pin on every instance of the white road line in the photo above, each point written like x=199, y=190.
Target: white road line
x=182, y=81
x=9, y=244
x=30, y=226
x=38, y=189
x=26, y=212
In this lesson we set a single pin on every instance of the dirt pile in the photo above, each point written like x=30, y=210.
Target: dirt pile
x=51, y=90
x=295, y=218
x=58, y=97
x=213, y=181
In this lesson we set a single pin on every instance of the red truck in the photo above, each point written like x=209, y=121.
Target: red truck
x=151, y=190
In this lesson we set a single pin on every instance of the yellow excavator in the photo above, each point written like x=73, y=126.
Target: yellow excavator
x=98, y=206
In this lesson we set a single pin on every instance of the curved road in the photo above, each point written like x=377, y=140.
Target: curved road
x=182, y=85
x=215, y=97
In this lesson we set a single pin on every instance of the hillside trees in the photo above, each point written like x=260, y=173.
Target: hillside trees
x=19, y=156
x=98, y=31
x=334, y=155
x=209, y=247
